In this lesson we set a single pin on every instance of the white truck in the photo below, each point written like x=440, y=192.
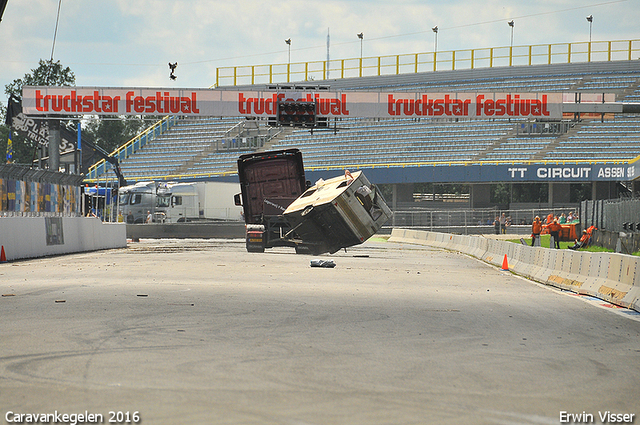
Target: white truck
x=173, y=202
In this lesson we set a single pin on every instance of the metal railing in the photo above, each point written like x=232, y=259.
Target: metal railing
x=129, y=148
x=474, y=221
x=536, y=54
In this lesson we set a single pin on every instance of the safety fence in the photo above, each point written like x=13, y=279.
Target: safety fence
x=478, y=220
x=608, y=276
x=537, y=54
x=28, y=192
x=616, y=215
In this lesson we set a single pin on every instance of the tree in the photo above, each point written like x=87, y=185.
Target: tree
x=48, y=73
x=109, y=134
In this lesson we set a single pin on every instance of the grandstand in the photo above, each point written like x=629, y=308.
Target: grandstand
x=208, y=148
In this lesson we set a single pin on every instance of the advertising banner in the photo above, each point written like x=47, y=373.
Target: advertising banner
x=230, y=103
x=492, y=173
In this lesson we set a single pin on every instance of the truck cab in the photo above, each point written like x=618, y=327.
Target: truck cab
x=179, y=202
x=269, y=183
x=135, y=201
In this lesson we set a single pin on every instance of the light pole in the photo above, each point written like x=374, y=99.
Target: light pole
x=511, y=24
x=590, y=19
x=361, y=37
x=435, y=45
x=435, y=41
x=288, y=41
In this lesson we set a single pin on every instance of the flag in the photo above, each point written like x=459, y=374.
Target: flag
x=9, y=149
x=14, y=108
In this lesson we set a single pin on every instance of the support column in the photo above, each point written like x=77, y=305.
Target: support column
x=604, y=190
x=54, y=145
x=480, y=196
x=559, y=193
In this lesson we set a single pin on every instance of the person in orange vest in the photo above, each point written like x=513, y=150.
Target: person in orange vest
x=584, y=241
x=554, y=231
x=549, y=219
x=536, y=229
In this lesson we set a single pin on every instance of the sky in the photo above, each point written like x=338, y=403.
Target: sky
x=129, y=43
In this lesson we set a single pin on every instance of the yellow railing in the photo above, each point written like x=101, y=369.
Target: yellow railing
x=537, y=54
x=353, y=166
x=127, y=149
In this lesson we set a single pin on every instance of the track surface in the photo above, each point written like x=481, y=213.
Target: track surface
x=200, y=331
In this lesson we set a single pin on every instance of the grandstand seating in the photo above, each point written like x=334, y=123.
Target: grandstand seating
x=201, y=147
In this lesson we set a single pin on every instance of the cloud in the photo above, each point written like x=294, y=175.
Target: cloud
x=129, y=43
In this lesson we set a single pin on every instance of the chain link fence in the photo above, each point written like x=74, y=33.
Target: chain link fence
x=475, y=221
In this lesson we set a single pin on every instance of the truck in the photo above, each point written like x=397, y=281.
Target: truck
x=338, y=213
x=269, y=182
x=282, y=209
x=176, y=202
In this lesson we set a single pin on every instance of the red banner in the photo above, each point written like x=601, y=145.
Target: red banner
x=230, y=103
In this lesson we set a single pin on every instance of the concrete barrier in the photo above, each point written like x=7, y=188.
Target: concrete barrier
x=31, y=237
x=610, y=276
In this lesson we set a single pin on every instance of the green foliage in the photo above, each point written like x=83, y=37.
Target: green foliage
x=545, y=239
x=112, y=133
x=500, y=194
x=48, y=73
x=107, y=133
x=23, y=150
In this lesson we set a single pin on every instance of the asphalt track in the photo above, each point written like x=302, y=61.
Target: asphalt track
x=202, y=332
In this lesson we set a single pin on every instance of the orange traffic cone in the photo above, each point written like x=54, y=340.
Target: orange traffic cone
x=3, y=257
x=505, y=263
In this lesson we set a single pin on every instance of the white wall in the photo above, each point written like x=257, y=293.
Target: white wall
x=26, y=237
x=608, y=276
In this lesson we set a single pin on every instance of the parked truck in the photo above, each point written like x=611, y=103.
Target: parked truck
x=282, y=209
x=172, y=202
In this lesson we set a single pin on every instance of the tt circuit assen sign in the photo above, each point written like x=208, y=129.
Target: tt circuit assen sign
x=569, y=173
x=216, y=102
x=488, y=173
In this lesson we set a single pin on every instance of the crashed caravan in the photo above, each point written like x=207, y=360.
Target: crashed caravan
x=338, y=213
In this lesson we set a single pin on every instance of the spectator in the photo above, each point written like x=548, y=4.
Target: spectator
x=570, y=217
x=130, y=218
x=503, y=224
x=562, y=219
x=496, y=225
x=149, y=217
